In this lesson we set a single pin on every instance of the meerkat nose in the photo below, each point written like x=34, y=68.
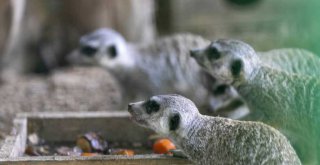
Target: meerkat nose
x=130, y=106
x=194, y=53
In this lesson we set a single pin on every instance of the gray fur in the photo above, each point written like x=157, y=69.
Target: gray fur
x=284, y=94
x=297, y=61
x=215, y=140
x=292, y=60
x=159, y=67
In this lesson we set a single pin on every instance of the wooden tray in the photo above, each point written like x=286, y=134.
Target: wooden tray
x=58, y=126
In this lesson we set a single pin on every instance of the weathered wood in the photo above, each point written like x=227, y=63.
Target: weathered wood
x=96, y=160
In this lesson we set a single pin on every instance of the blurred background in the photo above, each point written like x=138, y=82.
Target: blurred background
x=37, y=35
x=49, y=29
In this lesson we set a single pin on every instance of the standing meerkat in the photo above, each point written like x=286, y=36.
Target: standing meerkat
x=212, y=140
x=284, y=99
x=159, y=67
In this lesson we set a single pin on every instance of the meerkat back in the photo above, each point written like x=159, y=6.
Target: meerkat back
x=167, y=60
x=298, y=61
x=303, y=68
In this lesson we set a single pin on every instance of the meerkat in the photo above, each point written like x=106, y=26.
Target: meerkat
x=212, y=140
x=163, y=66
x=288, y=60
x=286, y=100
x=297, y=61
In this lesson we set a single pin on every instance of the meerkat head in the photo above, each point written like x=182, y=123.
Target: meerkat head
x=105, y=47
x=230, y=61
x=164, y=114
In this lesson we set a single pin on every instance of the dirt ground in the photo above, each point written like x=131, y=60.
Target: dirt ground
x=72, y=89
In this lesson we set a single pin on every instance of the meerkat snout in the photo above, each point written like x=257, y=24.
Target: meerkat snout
x=130, y=107
x=88, y=50
x=194, y=52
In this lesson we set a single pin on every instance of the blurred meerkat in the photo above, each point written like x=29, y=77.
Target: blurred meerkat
x=212, y=140
x=159, y=67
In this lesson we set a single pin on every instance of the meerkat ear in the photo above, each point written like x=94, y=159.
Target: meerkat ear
x=174, y=122
x=236, y=67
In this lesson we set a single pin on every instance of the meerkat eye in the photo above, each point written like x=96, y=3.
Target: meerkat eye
x=88, y=50
x=213, y=53
x=174, y=122
x=112, y=51
x=221, y=89
x=236, y=67
x=152, y=106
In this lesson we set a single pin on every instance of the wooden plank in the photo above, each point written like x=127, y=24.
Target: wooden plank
x=96, y=160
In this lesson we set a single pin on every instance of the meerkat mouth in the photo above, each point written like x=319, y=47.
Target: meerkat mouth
x=135, y=118
x=138, y=120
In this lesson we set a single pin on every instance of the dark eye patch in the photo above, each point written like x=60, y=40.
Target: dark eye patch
x=221, y=89
x=112, y=51
x=152, y=106
x=236, y=67
x=174, y=122
x=213, y=53
x=88, y=50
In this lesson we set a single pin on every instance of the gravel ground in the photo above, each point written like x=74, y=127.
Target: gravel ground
x=72, y=89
